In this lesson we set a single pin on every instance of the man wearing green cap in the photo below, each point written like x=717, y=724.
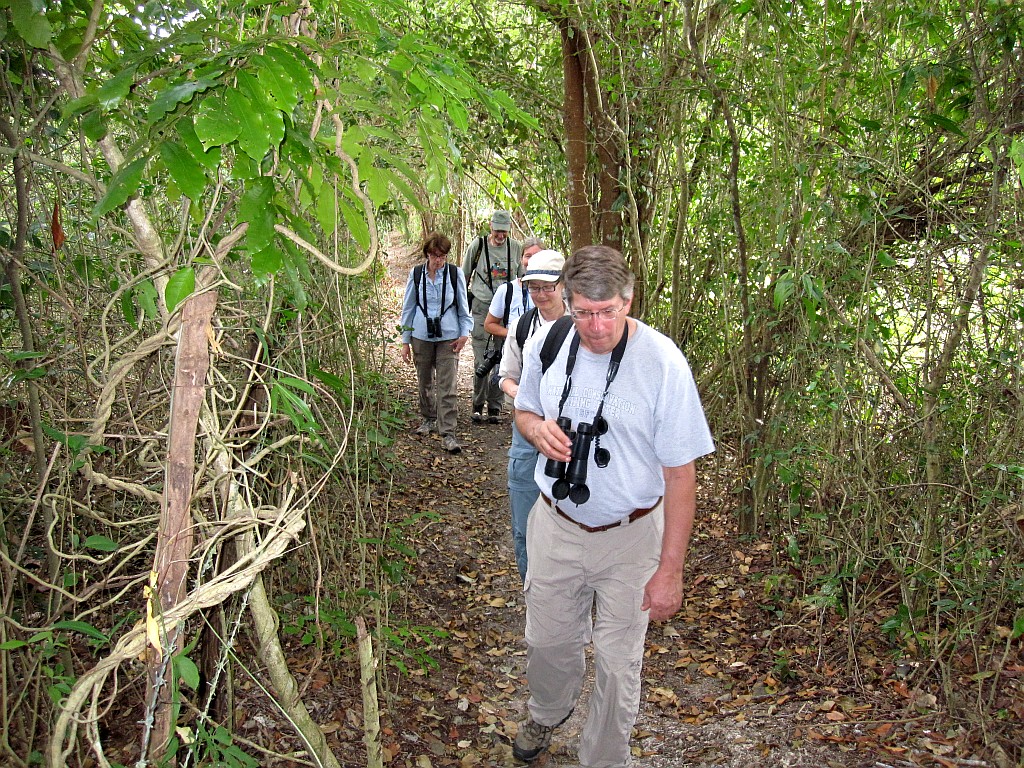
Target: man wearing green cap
x=490, y=261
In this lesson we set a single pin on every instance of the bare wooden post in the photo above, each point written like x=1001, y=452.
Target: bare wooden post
x=174, y=541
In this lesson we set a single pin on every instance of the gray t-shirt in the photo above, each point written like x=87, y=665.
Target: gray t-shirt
x=655, y=419
x=485, y=279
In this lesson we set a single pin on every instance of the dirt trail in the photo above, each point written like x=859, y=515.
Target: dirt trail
x=706, y=701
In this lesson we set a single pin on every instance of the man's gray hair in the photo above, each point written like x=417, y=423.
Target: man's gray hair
x=530, y=242
x=597, y=273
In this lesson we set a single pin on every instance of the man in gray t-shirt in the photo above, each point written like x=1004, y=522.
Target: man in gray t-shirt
x=613, y=521
x=489, y=262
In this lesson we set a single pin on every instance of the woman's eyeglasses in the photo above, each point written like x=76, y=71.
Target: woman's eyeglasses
x=542, y=288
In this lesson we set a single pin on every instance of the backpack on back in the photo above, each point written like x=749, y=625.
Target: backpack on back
x=552, y=343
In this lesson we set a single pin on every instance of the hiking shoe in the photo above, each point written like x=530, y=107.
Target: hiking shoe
x=494, y=417
x=451, y=444
x=426, y=428
x=533, y=738
x=477, y=417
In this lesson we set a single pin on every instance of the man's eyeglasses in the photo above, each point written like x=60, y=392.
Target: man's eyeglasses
x=542, y=288
x=601, y=314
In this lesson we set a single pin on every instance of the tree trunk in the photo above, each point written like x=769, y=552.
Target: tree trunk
x=574, y=119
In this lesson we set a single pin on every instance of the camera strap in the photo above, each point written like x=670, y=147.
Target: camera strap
x=441, y=309
x=487, y=255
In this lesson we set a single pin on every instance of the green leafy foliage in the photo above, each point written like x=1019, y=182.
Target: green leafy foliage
x=122, y=186
x=31, y=23
x=185, y=169
x=179, y=287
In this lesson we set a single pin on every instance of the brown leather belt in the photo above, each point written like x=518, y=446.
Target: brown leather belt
x=633, y=516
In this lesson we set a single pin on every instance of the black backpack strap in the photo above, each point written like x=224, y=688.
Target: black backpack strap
x=454, y=276
x=487, y=253
x=417, y=284
x=509, y=291
x=553, y=342
x=523, y=329
x=476, y=259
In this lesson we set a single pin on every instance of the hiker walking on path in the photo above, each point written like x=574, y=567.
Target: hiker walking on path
x=543, y=282
x=511, y=300
x=435, y=327
x=490, y=261
x=619, y=421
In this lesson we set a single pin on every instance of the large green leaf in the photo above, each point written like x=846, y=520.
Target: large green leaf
x=179, y=287
x=31, y=23
x=124, y=184
x=187, y=134
x=100, y=543
x=377, y=187
x=276, y=81
x=114, y=90
x=253, y=136
x=255, y=208
x=399, y=164
x=128, y=309
x=93, y=126
x=297, y=64
x=187, y=670
x=352, y=141
x=458, y=113
x=216, y=125
x=169, y=98
x=327, y=211
x=944, y=123
x=356, y=223
x=784, y=289
x=1017, y=155
x=146, y=293
x=400, y=184
x=83, y=627
x=184, y=169
x=268, y=261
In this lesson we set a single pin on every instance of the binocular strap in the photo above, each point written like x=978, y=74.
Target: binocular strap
x=613, y=370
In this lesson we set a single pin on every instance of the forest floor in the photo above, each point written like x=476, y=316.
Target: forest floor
x=743, y=676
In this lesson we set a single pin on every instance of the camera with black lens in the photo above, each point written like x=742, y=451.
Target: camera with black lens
x=434, y=327
x=571, y=476
x=491, y=358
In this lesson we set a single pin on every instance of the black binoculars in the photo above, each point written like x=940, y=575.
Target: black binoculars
x=491, y=358
x=571, y=476
x=434, y=327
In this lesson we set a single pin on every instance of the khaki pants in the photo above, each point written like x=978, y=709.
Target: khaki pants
x=570, y=571
x=437, y=368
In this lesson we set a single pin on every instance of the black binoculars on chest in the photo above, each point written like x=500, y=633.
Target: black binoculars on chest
x=571, y=476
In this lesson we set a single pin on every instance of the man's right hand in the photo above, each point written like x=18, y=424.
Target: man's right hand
x=545, y=435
